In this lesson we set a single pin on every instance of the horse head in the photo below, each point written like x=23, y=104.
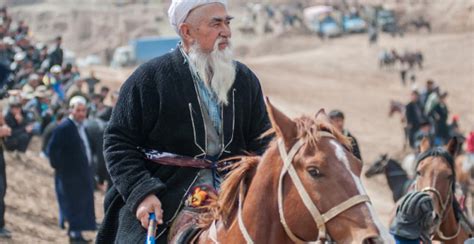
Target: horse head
x=378, y=167
x=436, y=175
x=320, y=194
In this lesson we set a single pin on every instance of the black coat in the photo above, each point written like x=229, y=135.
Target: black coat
x=439, y=115
x=414, y=115
x=158, y=108
x=73, y=179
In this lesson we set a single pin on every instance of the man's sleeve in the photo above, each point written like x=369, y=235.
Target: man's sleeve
x=259, y=121
x=133, y=118
x=55, y=148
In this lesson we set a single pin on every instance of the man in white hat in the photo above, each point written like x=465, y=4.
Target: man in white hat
x=70, y=155
x=195, y=101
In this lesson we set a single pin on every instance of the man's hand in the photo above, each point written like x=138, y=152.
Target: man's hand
x=151, y=204
x=5, y=131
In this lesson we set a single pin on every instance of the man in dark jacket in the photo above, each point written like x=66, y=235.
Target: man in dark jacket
x=337, y=120
x=70, y=156
x=56, y=56
x=414, y=116
x=439, y=116
x=21, y=125
x=195, y=101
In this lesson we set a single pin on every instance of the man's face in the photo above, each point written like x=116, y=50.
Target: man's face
x=338, y=123
x=79, y=112
x=414, y=97
x=210, y=24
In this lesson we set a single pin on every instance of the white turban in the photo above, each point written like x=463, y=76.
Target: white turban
x=180, y=9
x=76, y=100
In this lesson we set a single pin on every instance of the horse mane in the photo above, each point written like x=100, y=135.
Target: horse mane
x=308, y=129
x=224, y=208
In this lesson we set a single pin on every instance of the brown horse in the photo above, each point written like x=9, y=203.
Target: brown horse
x=436, y=175
x=306, y=187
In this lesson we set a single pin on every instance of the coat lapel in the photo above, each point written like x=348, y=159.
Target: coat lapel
x=189, y=94
x=228, y=120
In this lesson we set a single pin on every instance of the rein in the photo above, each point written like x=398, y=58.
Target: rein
x=319, y=219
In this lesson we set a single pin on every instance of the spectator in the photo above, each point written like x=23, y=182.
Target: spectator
x=91, y=82
x=5, y=131
x=33, y=82
x=96, y=104
x=54, y=79
x=75, y=89
x=430, y=87
x=104, y=91
x=21, y=125
x=337, y=119
x=56, y=56
x=106, y=113
x=70, y=155
x=40, y=108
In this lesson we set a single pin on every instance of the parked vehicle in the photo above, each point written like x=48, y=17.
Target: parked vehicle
x=320, y=20
x=143, y=49
x=352, y=23
x=388, y=23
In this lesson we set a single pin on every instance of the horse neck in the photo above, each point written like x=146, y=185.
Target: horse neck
x=260, y=208
x=396, y=178
x=449, y=227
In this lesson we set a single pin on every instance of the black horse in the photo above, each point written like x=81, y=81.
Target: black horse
x=397, y=178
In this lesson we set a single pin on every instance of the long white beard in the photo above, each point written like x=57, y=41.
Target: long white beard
x=216, y=69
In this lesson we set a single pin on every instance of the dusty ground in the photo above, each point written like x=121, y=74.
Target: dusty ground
x=305, y=75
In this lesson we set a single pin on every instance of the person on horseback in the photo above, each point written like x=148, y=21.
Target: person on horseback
x=195, y=101
x=337, y=119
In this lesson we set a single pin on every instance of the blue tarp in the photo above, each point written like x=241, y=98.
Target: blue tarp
x=146, y=48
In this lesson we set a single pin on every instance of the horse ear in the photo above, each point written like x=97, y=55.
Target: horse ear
x=284, y=126
x=424, y=145
x=321, y=115
x=452, y=146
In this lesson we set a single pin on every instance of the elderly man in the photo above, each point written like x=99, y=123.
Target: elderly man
x=195, y=101
x=70, y=156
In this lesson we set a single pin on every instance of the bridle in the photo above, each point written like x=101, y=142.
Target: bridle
x=319, y=219
x=442, y=214
x=444, y=205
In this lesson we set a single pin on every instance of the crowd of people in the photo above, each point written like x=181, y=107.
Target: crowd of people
x=46, y=97
x=427, y=115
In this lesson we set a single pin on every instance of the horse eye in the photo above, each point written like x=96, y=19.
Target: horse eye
x=418, y=173
x=314, y=172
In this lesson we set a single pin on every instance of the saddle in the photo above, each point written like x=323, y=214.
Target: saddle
x=185, y=227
